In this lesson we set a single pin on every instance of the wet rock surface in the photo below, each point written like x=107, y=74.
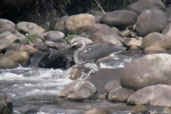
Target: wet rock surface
x=148, y=71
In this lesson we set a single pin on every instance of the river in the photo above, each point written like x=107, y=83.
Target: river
x=34, y=91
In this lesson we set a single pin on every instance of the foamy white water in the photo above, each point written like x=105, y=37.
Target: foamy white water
x=22, y=82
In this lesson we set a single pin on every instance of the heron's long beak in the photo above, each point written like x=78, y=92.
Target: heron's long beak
x=69, y=46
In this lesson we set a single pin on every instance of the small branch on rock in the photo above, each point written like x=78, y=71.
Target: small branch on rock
x=100, y=6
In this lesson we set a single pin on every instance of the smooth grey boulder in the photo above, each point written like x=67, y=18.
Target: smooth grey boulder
x=147, y=70
x=119, y=18
x=78, y=90
x=6, y=25
x=152, y=20
x=156, y=95
x=54, y=36
x=30, y=28
x=142, y=5
x=105, y=34
x=6, y=39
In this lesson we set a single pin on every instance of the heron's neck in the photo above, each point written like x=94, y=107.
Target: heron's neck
x=76, y=54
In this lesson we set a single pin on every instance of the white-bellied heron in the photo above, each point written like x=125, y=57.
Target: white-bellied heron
x=92, y=52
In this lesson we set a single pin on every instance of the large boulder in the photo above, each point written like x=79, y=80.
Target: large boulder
x=6, y=25
x=147, y=70
x=142, y=5
x=80, y=22
x=78, y=90
x=153, y=20
x=30, y=28
x=156, y=95
x=156, y=40
x=105, y=34
x=119, y=18
x=6, y=39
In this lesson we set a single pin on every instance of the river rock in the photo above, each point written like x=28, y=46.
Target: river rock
x=156, y=40
x=55, y=59
x=142, y=5
x=167, y=31
x=6, y=106
x=6, y=25
x=168, y=11
x=105, y=34
x=120, y=94
x=112, y=85
x=153, y=20
x=30, y=28
x=155, y=49
x=11, y=58
x=120, y=18
x=60, y=24
x=21, y=38
x=133, y=42
x=80, y=22
x=97, y=14
x=78, y=90
x=147, y=70
x=99, y=110
x=54, y=36
x=156, y=95
x=6, y=39
x=22, y=47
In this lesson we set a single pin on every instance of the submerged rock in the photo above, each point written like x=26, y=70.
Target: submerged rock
x=6, y=106
x=120, y=94
x=99, y=110
x=112, y=85
x=78, y=90
x=147, y=70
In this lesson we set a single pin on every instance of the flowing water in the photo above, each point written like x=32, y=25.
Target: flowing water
x=34, y=91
